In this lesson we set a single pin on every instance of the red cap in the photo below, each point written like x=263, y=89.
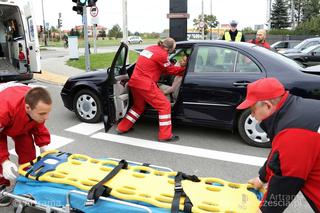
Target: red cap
x=262, y=89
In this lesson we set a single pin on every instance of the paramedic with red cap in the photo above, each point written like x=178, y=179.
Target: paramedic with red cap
x=23, y=111
x=152, y=62
x=293, y=165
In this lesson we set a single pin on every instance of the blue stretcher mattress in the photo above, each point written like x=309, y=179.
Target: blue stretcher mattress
x=53, y=194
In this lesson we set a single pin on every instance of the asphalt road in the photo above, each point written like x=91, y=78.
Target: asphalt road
x=201, y=151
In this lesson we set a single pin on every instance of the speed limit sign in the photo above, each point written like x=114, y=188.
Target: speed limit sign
x=94, y=11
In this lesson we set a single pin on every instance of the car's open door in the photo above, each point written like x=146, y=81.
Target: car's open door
x=115, y=91
x=32, y=39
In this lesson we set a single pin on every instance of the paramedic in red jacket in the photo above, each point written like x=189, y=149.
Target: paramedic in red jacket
x=293, y=165
x=23, y=112
x=152, y=62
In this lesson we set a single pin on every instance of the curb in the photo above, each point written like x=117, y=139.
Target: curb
x=50, y=77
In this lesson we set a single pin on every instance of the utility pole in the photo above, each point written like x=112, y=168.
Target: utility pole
x=44, y=27
x=269, y=14
x=125, y=21
x=211, y=22
x=86, y=41
x=202, y=19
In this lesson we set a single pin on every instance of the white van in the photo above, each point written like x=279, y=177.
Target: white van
x=19, y=44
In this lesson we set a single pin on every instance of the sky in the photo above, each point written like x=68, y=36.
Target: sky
x=151, y=15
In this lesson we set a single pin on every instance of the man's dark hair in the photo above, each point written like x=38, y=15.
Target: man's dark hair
x=37, y=94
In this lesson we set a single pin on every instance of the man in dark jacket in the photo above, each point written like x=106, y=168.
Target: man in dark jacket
x=233, y=34
x=293, y=165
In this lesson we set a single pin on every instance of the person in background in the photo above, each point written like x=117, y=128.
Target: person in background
x=23, y=112
x=233, y=34
x=152, y=62
x=293, y=124
x=260, y=39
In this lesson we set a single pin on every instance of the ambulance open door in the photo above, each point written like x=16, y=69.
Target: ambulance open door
x=31, y=33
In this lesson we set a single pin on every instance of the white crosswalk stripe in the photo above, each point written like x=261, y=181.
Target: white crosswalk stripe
x=179, y=149
x=56, y=143
x=85, y=128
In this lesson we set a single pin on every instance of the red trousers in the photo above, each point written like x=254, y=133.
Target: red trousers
x=25, y=150
x=158, y=101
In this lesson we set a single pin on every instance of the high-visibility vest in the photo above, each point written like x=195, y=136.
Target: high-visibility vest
x=227, y=36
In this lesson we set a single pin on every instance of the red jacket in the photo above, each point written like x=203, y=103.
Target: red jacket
x=149, y=67
x=14, y=120
x=262, y=44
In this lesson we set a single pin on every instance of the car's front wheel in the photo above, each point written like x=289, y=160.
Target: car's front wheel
x=251, y=132
x=87, y=106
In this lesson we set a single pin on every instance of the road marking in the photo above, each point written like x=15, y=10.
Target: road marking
x=186, y=150
x=56, y=143
x=85, y=128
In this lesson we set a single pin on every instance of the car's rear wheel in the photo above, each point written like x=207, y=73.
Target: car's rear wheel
x=87, y=106
x=251, y=132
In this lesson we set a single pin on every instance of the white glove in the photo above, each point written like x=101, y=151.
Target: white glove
x=9, y=170
x=44, y=148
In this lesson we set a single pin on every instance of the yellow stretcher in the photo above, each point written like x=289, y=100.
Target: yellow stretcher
x=145, y=184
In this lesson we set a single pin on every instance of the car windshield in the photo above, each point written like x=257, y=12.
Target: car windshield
x=301, y=45
x=309, y=49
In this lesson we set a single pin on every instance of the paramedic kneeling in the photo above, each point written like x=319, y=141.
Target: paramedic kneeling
x=293, y=165
x=23, y=111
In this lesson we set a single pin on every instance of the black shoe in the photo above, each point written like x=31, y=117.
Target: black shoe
x=5, y=201
x=174, y=138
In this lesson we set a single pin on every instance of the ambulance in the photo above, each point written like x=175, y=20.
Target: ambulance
x=19, y=44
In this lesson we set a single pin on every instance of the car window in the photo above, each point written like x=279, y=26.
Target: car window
x=215, y=59
x=120, y=62
x=245, y=64
x=179, y=53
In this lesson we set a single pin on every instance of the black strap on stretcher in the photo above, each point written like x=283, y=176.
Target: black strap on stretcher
x=178, y=192
x=99, y=189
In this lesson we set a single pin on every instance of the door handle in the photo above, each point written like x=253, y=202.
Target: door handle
x=240, y=84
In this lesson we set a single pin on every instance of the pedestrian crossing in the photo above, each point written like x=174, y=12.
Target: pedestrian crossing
x=95, y=131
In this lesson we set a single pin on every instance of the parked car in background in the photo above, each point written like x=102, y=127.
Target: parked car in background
x=307, y=57
x=213, y=85
x=283, y=45
x=303, y=45
x=135, y=40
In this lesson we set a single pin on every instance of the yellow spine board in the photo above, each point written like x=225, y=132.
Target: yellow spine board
x=152, y=186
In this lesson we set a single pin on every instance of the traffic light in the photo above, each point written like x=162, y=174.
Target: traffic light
x=79, y=7
x=59, y=23
x=41, y=28
x=92, y=3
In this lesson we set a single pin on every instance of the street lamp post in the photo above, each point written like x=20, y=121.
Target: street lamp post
x=44, y=27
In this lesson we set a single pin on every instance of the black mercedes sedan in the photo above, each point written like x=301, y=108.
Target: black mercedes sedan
x=213, y=85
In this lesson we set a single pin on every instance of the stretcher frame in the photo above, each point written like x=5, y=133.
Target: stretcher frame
x=24, y=201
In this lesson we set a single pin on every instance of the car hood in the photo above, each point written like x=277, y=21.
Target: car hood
x=294, y=54
x=95, y=75
x=292, y=50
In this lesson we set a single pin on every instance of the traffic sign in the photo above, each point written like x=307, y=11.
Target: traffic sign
x=94, y=11
x=201, y=24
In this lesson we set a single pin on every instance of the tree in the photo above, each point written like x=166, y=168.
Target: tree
x=310, y=9
x=298, y=6
x=115, y=31
x=210, y=21
x=102, y=33
x=279, y=15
